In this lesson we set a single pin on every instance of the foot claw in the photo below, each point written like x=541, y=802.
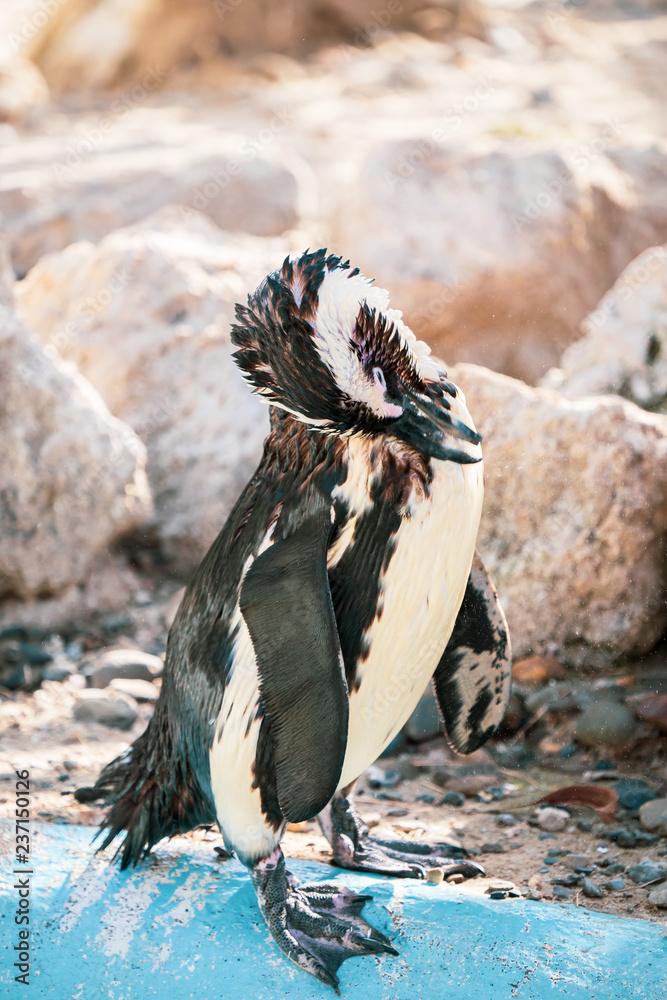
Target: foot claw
x=317, y=927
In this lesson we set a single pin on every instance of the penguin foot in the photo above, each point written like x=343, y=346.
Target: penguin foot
x=317, y=927
x=354, y=848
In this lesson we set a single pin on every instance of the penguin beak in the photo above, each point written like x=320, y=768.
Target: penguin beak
x=428, y=425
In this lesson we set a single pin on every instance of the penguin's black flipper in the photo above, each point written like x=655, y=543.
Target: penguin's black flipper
x=473, y=678
x=286, y=603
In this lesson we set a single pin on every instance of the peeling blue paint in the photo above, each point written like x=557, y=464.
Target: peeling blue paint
x=186, y=926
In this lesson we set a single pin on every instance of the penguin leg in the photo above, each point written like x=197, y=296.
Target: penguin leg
x=317, y=927
x=354, y=848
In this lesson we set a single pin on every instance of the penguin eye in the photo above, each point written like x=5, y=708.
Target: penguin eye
x=378, y=375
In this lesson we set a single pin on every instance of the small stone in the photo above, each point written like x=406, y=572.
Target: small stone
x=535, y=880
x=585, y=824
x=614, y=867
x=643, y=838
x=474, y=852
x=434, y=876
x=605, y=722
x=658, y=896
x=493, y=848
x=425, y=797
x=425, y=721
x=614, y=884
x=553, y=819
x=135, y=688
x=591, y=890
x=500, y=885
x=567, y=880
x=633, y=793
x=543, y=869
x=397, y=812
x=470, y=784
x=653, y=816
x=114, y=712
x=456, y=878
x=132, y=664
x=547, y=836
x=576, y=861
x=498, y=895
x=550, y=860
x=560, y=892
x=534, y=894
x=557, y=852
x=646, y=871
x=453, y=799
x=377, y=778
x=506, y=819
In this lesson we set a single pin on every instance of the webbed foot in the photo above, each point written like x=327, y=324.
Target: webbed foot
x=354, y=848
x=318, y=927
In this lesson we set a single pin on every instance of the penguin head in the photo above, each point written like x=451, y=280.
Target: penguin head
x=320, y=341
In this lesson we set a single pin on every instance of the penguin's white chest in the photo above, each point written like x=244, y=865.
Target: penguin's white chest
x=421, y=592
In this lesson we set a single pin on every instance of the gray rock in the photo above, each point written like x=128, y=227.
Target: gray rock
x=605, y=722
x=614, y=884
x=560, y=892
x=591, y=890
x=72, y=476
x=576, y=861
x=93, y=706
x=506, y=819
x=553, y=819
x=653, y=816
x=534, y=894
x=453, y=799
x=493, y=848
x=138, y=689
x=130, y=664
x=646, y=871
x=160, y=355
x=633, y=793
x=425, y=722
x=658, y=896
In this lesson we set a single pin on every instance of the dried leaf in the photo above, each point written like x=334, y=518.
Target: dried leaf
x=602, y=800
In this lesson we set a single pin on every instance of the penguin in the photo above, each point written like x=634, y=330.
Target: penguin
x=344, y=580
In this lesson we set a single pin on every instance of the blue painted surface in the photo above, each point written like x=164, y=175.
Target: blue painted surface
x=186, y=927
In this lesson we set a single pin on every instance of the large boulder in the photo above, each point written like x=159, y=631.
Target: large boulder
x=624, y=347
x=72, y=476
x=101, y=172
x=497, y=250
x=146, y=316
x=575, y=518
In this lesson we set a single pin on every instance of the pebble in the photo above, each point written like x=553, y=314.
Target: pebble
x=607, y=722
x=425, y=722
x=543, y=869
x=114, y=712
x=550, y=860
x=547, y=836
x=534, y=881
x=434, y=876
x=493, y=848
x=615, y=868
x=498, y=895
x=585, y=824
x=557, y=852
x=658, y=896
x=633, y=793
x=534, y=894
x=137, y=689
x=426, y=798
x=567, y=880
x=646, y=871
x=552, y=819
x=456, y=878
x=591, y=890
x=577, y=862
x=499, y=885
x=614, y=884
x=397, y=812
x=131, y=664
x=653, y=816
x=377, y=778
x=453, y=799
x=560, y=892
x=506, y=819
